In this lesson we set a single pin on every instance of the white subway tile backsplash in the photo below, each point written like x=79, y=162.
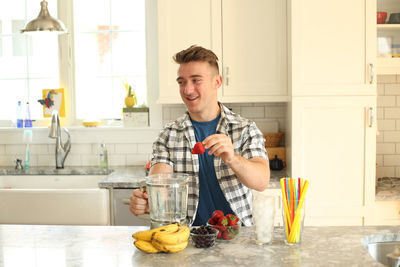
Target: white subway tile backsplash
x=15, y=149
x=379, y=160
x=380, y=87
x=6, y=161
x=386, y=125
x=392, y=113
x=125, y=148
x=392, y=89
x=397, y=172
x=391, y=136
x=90, y=160
x=136, y=159
x=398, y=149
x=74, y=161
x=46, y=160
x=391, y=160
x=386, y=78
x=42, y=149
x=386, y=171
x=145, y=148
x=386, y=148
x=386, y=101
x=81, y=149
x=117, y=160
x=380, y=113
x=252, y=112
x=166, y=113
x=379, y=138
x=177, y=111
x=275, y=112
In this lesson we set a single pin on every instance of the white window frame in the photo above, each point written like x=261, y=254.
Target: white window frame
x=67, y=64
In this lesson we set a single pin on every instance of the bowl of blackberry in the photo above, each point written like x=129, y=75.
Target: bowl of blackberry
x=203, y=236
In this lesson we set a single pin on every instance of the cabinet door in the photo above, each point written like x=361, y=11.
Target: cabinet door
x=333, y=47
x=181, y=23
x=254, y=50
x=333, y=146
x=386, y=213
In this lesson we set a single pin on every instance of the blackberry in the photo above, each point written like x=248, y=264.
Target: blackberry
x=203, y=236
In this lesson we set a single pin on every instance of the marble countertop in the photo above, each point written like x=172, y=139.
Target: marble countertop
x=45, y=245
x=388, y=188
x=117, y=177
x=131, y=177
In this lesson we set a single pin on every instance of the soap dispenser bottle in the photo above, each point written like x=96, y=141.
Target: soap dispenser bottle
x=20, y=120
x=103, y=156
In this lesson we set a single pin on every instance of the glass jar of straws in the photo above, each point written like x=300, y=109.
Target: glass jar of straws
x=293, y=208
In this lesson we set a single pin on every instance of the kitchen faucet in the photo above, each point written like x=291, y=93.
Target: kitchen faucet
x=55, y=132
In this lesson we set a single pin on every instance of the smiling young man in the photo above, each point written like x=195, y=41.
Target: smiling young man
x=235, y=160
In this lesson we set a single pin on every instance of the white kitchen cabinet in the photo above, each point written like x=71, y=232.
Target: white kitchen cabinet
x=181, y=23
x=332, y=47
x=249, y=38
x=333, y=143
x=386, y=213
x=254, y=60
x=390, y=33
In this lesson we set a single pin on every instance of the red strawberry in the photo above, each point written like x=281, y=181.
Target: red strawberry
x=211, y=221
x=148, y=164
x=226, y=235
x=216, y=215
x=219, y=234
x=223, y=221
x=232, y=219
x=220, y=228
x=198, y=148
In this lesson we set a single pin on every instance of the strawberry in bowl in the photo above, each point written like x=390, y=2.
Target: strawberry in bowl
x=228, y=225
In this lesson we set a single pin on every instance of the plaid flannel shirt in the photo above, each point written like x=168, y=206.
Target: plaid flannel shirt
x=174, y=146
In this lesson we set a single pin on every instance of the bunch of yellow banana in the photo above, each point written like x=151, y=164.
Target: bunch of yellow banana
x=170, y=238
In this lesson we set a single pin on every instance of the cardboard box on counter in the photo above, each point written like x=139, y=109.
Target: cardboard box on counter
x=280, y=151
x=136, y=116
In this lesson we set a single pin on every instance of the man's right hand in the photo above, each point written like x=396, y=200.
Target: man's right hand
x=139, y=203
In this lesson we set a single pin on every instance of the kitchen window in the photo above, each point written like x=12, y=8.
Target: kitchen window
x=106, y=45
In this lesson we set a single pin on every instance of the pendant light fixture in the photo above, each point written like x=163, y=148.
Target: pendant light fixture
x=44, y=22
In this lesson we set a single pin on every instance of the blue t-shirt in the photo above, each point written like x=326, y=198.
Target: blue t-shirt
x=211, y=196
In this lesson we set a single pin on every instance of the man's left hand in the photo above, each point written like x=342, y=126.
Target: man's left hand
x=221, y=146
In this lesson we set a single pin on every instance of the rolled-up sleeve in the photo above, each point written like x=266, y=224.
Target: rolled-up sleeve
x=254, y=143
x=161, y=153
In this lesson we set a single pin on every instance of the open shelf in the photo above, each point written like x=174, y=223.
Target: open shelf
x=388, y=26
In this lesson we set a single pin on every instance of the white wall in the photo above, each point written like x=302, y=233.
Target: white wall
x=126, y=146
x=388, y=140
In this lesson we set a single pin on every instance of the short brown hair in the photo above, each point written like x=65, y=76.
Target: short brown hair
x=197, y=53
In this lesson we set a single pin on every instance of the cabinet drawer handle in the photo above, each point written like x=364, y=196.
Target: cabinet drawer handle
x=227, y=75
x=126, y=201
x=371, y=117
x=371, y=73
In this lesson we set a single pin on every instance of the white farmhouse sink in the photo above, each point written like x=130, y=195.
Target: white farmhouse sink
x=53, y=199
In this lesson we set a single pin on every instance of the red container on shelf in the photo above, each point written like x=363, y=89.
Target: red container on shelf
x=381, y=17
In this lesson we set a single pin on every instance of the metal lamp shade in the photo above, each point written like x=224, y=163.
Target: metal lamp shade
x=45, y=22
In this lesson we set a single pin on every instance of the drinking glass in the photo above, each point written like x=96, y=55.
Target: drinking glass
x=263, y=215
x=293, y=221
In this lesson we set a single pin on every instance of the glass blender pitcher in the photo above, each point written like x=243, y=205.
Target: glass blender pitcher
x=167, y=196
